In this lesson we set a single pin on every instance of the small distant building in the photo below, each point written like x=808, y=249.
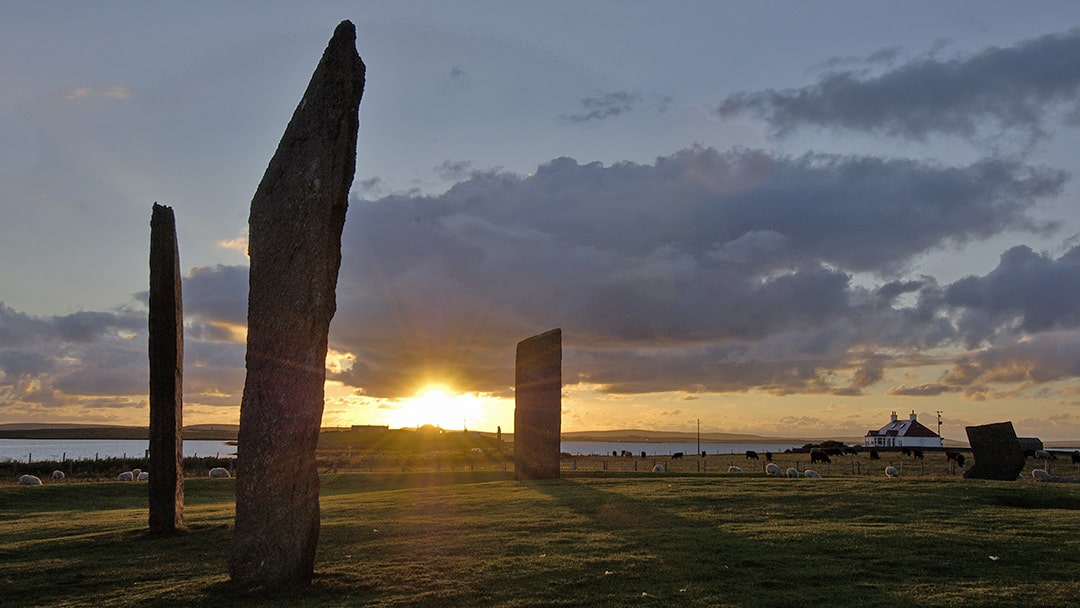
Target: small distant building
x=370, y=428
x=1030, y=444
x=903, y=434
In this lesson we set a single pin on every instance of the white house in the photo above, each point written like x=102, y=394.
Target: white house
x=903, y=434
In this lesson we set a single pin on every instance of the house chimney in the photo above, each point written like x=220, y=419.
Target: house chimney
x=893, y=416
x=913, y=415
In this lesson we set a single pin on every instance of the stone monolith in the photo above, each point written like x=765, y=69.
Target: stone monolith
x=996, y=451
x=297, y=215
x=538, y=406
x=166, y=349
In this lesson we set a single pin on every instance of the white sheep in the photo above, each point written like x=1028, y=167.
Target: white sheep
x=734, y=469
x=136, y=472
x=143, y=476
x=1041, y=475
x=792, y=472
x=772, y=469
x=125, y=476
x=890, y=471
x=658, y=468
x=219, y=473
x=58, y=475
x=812, y=474
x=29, y=480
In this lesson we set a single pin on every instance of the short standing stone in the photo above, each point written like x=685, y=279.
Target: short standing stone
x=996, y=450
x=538, y=406
x=297, y=215
x=166, y=487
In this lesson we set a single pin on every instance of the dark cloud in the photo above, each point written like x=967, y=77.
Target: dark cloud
x=704, y=271
x=1015, y=89
x=604, y=105
x=1027, y=291
x=701, y=272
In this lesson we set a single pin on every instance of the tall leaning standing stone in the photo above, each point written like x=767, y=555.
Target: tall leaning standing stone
x=297, y=215
x=166, y=349
x=538, y=406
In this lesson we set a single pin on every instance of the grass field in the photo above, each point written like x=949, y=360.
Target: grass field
x=590, y=539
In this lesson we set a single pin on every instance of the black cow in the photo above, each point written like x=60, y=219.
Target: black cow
x=676, y=455
x=819, y=457
x=643, y=455
x=703, y=453
x=905, y=451
x=874, y=455
x=768, y=456
x=851, y=450
x=834, y=452
x=960, y=460
x=917, y=454
x=751, y=455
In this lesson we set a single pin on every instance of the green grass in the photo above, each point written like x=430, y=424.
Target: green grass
x=481, y=539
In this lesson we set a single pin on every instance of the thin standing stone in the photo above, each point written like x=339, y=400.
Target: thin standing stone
x=297, y=215
x=166, y=468
x=538, y=406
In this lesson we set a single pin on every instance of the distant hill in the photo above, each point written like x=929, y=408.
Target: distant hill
x=642, y=436
x=29, y=430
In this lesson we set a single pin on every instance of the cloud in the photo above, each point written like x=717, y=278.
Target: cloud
x=1014, y=89
x=604, y=105
x=701, y=272
x=1027, y=291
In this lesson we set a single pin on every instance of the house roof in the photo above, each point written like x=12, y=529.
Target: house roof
x=903, y=428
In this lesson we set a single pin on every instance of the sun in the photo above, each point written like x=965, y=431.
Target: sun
x=440, y=405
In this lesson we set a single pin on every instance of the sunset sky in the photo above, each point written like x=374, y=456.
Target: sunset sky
x=782, y=218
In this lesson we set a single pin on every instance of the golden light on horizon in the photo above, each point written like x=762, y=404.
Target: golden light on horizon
x=439, y=405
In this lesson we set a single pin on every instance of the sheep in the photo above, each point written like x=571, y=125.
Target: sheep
x=1045, y=455
x=734, y=469
x=658, y=468
x=793, y=472
x=812, y=474
x=144, y=476
x=125, y=476
x=219, y=473
x=58, y=475
x=29, y=480
x=1041, y=475
x=890, y=471
x=135, y=473
x=772, y=469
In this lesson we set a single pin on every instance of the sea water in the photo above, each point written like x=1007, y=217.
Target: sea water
x=37, y=450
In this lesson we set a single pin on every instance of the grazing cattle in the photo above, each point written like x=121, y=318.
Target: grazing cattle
x=917, y=454
x=851, y=450
x=812, y=474
x=960, y=460
x=951, y=455
x=58, y=475
x=1076, y=457
x=1043, y=454
x=676, y=455
x=890, y=471
x=627, y=454
x=772, y=469
x=819, y=457
x=219, y=473
x=751, y=455
x=703, y=454
x=768, y=456
x=734, y=469
x=834, y=452
x=905, y=451
x=643, y=453
x=874, y=455
x=615, y=453
x=29, y=480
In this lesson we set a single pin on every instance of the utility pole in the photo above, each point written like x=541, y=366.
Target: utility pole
x=939, y=423
x=699, y=436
